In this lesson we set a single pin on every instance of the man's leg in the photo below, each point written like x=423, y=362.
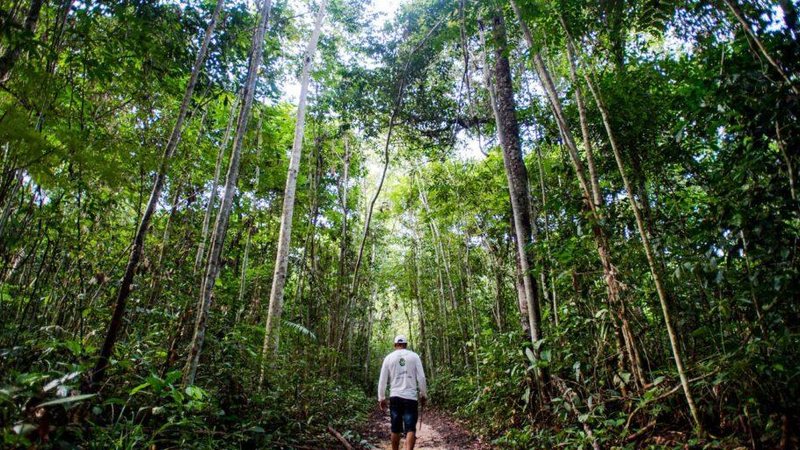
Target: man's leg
x=411, y=439
x=396, y=441
x=396, y=413
x=410, y=415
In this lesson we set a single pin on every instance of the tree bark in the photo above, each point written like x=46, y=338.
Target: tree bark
x=504, y=108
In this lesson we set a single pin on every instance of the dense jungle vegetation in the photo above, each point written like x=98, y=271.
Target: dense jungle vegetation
x=215, y=214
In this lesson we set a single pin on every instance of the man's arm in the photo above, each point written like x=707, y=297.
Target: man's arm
x=421, y=382
x=384, y=378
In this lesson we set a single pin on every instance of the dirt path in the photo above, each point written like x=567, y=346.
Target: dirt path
x=437, y=431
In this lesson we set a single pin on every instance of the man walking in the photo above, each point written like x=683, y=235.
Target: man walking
x=402, y=369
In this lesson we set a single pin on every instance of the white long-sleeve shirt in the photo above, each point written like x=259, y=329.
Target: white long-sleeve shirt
x=402, y=369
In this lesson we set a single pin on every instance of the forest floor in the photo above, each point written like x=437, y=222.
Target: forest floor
x=436, y=430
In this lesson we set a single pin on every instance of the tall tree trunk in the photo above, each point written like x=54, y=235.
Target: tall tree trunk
x=221, y=225
x=648, y=249
x=519, y=283
x=155, y=284
x=212, y=199
x=476, y=334
x=341, y=293
x=272, y=327
x=548, y=266
x=425, y=344
x=584, y=122
x=240, y=304
x=115, y=325
x=504, y=109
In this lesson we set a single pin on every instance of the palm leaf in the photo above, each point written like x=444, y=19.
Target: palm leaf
x=300, y=329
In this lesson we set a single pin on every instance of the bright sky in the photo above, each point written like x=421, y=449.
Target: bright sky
x=387, y=7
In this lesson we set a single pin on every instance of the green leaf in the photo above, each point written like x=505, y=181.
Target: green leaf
x=71, y=399
x=139, y=388
x=300, y=329
x=173, y=376
x=530, y=354
x=545, y=355
x=195, y=392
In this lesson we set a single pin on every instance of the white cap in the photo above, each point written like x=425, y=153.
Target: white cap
x=400, y=339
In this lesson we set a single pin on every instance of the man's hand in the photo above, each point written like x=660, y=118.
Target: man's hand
x=382, y=404
x=423, y=401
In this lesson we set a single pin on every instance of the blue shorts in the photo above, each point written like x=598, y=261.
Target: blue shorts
x=404, y=414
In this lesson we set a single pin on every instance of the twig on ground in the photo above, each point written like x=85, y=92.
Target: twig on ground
x=340, y=438
x=641, y=431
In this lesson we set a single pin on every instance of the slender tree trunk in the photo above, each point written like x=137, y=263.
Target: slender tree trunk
x=426, y=344
x=549, y=260
x=740, y=17
x=587, y=141
x=368, y=348
x=398, y=103
x=212, y=199
x=250, y=225
x=468, y=76
x=651, y=261
x=155, y=285
x=221, y=225
x=271, y=331
x=341, y=294
x=115, y=325
x=476, y=336
x=497, y=271
x=444, y=258
x=593, y=203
